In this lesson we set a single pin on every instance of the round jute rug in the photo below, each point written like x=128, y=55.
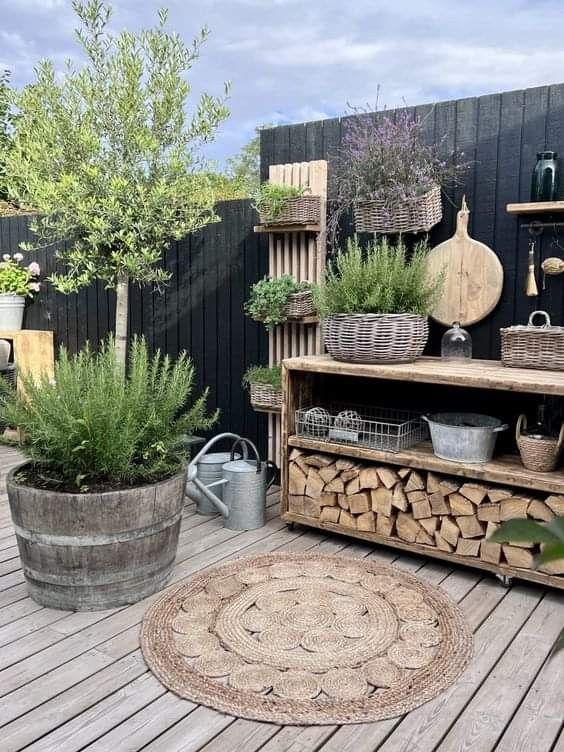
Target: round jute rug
x=306, y=639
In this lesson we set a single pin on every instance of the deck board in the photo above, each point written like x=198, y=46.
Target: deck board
x=77, y=681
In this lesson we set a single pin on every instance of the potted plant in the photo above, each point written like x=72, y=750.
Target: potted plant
x=273, y=301
x=265, y=386
x=374, y=304
x=285, y=205
x=17, y=282
x=388, y=175
x=98, y=505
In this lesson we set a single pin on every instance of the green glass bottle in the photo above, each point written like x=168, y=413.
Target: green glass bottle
x=545, y=181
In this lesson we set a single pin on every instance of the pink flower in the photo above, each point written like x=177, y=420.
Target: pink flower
x=34, y=286
x=6, y=257
x=18, y=256
x=33, y=268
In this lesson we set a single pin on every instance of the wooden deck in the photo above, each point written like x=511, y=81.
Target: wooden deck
x=77, y=681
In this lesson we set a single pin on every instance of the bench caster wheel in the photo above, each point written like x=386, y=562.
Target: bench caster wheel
x=290, y=525
x=505, y=580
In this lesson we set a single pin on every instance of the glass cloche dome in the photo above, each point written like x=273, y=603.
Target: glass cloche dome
x=456, y=343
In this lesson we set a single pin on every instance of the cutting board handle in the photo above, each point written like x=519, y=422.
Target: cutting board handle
x=462, y=220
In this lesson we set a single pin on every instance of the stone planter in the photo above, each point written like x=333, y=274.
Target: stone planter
x=11, y=312
x=95, y=551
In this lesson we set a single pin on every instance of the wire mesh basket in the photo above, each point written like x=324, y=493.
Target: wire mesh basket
x=382, y=428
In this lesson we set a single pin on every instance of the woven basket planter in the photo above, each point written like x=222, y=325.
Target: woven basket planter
x=533, y=346
x=266, y=397
x=300, y=304
x=376, y=337
x=418, y=215
x=539, y=454
x=300, y=210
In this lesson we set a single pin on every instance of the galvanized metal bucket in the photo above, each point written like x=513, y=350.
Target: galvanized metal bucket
x=464, y=437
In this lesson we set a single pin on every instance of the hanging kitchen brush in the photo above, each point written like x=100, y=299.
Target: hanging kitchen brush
x=531, y=288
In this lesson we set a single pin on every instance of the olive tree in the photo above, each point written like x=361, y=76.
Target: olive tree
x=110, y=155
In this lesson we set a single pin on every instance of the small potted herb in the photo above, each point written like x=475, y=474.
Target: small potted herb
x=285, y=205
x=265, y=387
x=389, y=176
x=273, y=301
x=374, y=303
x=17, y=282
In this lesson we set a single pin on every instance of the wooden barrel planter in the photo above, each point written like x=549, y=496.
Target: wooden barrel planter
x=94, y=551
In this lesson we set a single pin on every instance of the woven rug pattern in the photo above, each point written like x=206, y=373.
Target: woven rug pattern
x=306, y=639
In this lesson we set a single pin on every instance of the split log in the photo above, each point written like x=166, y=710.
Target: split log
x=344, y=464
x=439, y=504
x=488, y=512
x=314, y=485
x=330, y=514
x=296, y=504
x=295, y=453
x=499, y=494
x=352, y=486
x=406, y=527
x=556, y=505
x=414, y=482
x=382, y=501
x=468, y=547
x=415, y=496
x=343, y=501
x=447, y=487
x=421, y=509
x=460, y=505
x=513, y=509
x=346, y=519
x=449, y=531
x=318, y=460
x=490, y=551
x=348, y=475
x=335, y=486
x=433, y=483
x=442, y=544
x=359, y=503
x=366, y=521
x=474, y=491
x=368, y=478
x=297, y=480
x=387, y=476
x=470, y=527
x=539, y=510
x=518, y=557
x=430, y=524
x=328, y=473
x=312, y=508
x=403, y=472
x=301, y=463
x=328, y=499
x=385, y=525
x=491, y=528
x=424, y=538
x=399, y=499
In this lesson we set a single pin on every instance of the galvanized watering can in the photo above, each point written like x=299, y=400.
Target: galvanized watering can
x=209, y=470
x=243, y=483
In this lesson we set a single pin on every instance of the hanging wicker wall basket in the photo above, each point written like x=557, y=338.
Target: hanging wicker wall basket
x=418, y=215
x=533, y=346
x=376, y=338
x=266, y=397
x=300, y=304
x=299, y=210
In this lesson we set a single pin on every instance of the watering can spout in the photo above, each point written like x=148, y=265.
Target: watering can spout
x=211, y=497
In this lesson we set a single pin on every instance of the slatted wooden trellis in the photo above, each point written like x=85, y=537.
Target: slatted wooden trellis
x=301, y=254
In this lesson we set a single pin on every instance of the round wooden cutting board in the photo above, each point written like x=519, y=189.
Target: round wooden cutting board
x=473, y=276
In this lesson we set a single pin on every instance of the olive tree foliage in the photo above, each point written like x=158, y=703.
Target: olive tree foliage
x=110, y=155
x=5, y=129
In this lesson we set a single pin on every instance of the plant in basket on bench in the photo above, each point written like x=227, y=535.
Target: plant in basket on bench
x=265, y=386
x=285, y=204
x=374, y=303
x=98, y=506
x=273, y=301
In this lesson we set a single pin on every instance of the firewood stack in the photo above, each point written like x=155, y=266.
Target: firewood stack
x=452, y=514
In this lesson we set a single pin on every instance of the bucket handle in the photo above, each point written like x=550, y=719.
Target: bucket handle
x=245, y=443
x=274, y=468
x=522, y=426
x=503, y=427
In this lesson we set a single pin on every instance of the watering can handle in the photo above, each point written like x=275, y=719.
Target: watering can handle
x=274, y=468
x=192, y=471
x=245, y=443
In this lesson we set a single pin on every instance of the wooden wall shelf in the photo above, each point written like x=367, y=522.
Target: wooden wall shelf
x=536, y=207
x=287, y=228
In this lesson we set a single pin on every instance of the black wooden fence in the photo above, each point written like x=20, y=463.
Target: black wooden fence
x=500, y=135
x=200, y=310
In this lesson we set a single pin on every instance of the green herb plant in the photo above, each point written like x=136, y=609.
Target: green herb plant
x=267, y=375
x=16, y=279
x=269, y=199
x=381, y=279
x=550, y=535
x=268, y=299
x=95, y=425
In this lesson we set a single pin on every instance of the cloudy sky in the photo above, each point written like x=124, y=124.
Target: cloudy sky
x=290, y=60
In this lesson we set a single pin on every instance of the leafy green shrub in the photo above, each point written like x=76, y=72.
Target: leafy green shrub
x=16, y=279
x=269, y=199
x=95, y=427
x=380, y=280
x=268, y=375
x=268, y=299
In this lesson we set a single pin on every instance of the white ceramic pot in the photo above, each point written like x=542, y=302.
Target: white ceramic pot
x=11, y=312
